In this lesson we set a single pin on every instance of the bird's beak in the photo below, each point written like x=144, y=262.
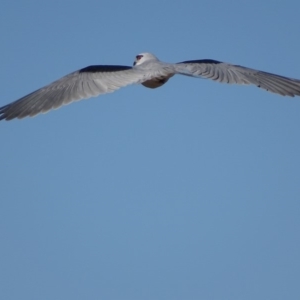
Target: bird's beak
x=134, y=63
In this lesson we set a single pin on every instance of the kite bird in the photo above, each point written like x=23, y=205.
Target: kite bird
x=146, y=70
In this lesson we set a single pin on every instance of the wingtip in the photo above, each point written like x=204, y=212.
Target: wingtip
x=3, y=111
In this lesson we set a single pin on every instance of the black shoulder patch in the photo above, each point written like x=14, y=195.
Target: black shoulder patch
x=103, y=68
x=201, y=61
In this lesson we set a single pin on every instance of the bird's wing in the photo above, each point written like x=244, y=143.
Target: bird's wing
x=227, y=73
x=87, y=82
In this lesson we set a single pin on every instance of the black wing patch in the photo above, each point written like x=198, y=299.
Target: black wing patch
x=103, y=68
x=201, y=61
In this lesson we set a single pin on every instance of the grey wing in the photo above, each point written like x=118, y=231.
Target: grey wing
x=88, y=82
x=227, y=73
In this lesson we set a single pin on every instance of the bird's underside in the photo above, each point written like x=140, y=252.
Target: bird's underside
x=148, y=71
x=156, y=82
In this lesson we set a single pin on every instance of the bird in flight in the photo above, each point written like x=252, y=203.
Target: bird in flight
x=146, y=70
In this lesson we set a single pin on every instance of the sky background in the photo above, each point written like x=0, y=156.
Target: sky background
x=189, y=191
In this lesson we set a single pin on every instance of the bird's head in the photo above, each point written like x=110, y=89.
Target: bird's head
x=142, y=57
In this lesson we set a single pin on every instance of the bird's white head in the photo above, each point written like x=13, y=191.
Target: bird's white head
x=142, y=57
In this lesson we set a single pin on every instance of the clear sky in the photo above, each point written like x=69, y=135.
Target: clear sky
x=189, y=191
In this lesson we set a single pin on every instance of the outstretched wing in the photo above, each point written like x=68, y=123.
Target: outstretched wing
x=227, y=73
x=87, y=82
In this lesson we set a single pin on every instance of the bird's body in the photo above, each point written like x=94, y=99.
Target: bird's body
x=148, y=71
x=149, y=63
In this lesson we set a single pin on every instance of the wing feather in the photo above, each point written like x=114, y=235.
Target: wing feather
x=228, y=73
x=88, y=82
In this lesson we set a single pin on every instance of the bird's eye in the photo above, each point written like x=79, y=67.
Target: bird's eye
x=138, y=57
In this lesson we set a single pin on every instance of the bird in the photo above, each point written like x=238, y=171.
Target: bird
x=147, y=70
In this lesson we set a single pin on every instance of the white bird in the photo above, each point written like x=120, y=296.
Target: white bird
x=148, y=71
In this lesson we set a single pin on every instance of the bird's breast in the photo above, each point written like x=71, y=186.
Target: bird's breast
x=156, y=82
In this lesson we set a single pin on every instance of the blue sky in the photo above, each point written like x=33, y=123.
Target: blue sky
x=189, y=191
